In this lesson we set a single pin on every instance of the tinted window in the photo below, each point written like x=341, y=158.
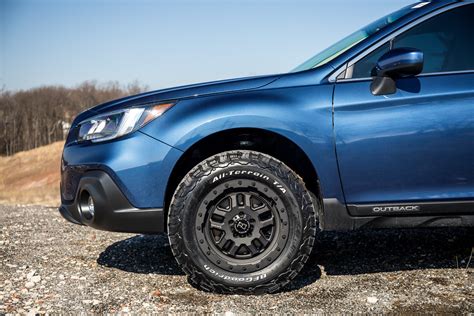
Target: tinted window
x=446, y=40
x=353, y=39
x=363, y=68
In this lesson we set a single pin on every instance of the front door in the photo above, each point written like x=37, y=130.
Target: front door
x=416, y=145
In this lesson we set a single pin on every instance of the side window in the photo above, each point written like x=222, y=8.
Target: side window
x=447, y=41
x=363, y=68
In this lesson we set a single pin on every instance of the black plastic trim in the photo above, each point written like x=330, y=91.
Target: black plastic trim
x=113, y=212
x=409, y=209
x=335, y=216
x=71, y=174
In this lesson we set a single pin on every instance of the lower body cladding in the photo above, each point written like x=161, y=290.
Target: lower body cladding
x=99, y=203
x=336, y=216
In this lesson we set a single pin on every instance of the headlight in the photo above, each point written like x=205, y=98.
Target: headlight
x=115, y=124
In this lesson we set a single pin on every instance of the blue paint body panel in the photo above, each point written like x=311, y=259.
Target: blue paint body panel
x=415, y=145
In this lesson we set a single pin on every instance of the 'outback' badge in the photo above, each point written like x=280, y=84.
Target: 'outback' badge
x=388, y=209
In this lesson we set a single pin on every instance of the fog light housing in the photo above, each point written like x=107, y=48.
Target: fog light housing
x=86, y=205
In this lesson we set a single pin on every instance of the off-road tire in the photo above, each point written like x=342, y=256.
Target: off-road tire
x=191, y=223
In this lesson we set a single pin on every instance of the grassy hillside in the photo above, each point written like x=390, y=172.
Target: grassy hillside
x=31, y=177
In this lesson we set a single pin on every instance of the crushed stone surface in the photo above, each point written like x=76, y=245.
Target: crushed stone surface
x=48, y=265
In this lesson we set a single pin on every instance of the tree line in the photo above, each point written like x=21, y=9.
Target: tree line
x=40, y=116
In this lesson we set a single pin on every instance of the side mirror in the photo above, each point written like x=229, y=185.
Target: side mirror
x=397, y=63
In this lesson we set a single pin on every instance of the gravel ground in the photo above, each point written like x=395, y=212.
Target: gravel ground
x=49, y=265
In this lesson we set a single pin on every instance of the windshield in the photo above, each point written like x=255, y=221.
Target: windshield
x=356, y=37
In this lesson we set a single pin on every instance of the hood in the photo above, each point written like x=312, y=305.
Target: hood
x=194, y=90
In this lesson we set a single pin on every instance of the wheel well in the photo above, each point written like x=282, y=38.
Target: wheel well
x=264, y=141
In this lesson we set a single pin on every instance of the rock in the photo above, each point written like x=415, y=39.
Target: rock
x=31, y=274
x=30, y=285
x=372, y=300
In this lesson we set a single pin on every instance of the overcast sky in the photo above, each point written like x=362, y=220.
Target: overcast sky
x=168, y=43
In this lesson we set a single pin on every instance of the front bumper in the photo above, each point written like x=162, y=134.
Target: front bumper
x=112, y=211
x=127, y=179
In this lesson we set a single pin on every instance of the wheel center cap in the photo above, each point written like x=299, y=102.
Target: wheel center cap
x=241, y=224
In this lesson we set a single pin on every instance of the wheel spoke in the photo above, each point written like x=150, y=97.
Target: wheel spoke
x=217, y=225
x=219, y=212
x=233, y=249
x=247, y=200
x=266, y=222
x=263, y=240
x=253, y=250
x=262, y=209
x=233, y=200
x=222, y=241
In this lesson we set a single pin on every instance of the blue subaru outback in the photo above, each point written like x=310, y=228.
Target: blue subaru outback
x=375, y=131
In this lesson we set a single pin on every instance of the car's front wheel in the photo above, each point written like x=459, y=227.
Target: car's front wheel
x=241, y=222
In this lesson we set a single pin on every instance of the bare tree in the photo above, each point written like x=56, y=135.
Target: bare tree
x=37, y=117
